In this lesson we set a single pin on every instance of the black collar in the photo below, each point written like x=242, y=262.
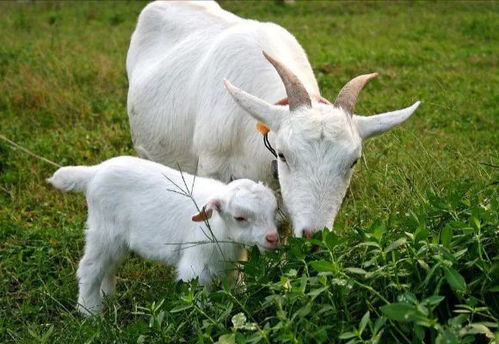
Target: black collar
x=273, y=163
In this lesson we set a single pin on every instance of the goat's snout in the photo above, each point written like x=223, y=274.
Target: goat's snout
x=272, y=239
x=307, y=233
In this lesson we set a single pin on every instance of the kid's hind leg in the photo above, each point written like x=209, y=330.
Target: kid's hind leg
x=97, y=263
x=108, y=284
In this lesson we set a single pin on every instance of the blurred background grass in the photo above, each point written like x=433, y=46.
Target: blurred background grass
x=63, y=95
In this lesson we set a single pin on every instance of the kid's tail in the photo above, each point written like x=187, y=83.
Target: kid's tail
x=72, y=178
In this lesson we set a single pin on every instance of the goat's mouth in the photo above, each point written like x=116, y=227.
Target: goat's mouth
x=266, y=248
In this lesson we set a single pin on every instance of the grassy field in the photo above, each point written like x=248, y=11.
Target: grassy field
x=414, y=253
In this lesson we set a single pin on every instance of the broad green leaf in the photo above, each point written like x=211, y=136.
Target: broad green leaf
x=433, y=300
x=304, y=311
x=494, y=289
x=378, y=231
x=346, y=335
x=421, y=234
x=363, y=322
x=446, y=236
x=476, y=222
x=406, y=312
x=447, y=336
x=460, y=253
x=227, y=339
x=423, y=264
x=420, y=332
x=369, y=243
x=458, y=321
x=316, y=292
x=358, y=271
x=303, y=284
x=323, y=266
x=480, y=328
x=396, y=244
x=292, y=273
x=455, y=279
x=380, y=322
x=488, y=324
x=407, y=297
x=180, y=309
x=399, y=311
x=331, y=239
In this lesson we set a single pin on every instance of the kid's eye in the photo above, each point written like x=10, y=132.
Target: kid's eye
x=281, y=157
x=239, y=218
x=354, y=163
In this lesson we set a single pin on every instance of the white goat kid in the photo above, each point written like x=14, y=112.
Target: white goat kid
x=141, y=206
x=180, y=113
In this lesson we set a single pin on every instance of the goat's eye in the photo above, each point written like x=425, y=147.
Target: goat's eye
x=354, y=163
x=239, y=218
x=281, y=157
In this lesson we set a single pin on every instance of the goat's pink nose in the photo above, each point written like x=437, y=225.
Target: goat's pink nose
x=272, y=238
x=307, y=233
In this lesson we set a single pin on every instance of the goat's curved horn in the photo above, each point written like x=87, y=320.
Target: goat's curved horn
x=297, y=94
x=347, y=97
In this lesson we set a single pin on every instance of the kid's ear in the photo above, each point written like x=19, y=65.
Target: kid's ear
x=207, y=210
x=203, y=215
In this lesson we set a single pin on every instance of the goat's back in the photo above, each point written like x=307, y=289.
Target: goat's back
x=178, y=108
x=128, y=181
x=163, y=24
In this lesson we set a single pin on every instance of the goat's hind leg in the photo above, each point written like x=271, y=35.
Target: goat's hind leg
x=108, y=284
x=90, y=275
x=97, y=264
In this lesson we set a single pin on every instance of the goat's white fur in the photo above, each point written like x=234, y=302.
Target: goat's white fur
x=134, y=206
x=180, y=113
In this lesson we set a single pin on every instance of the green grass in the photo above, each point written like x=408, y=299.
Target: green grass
x=414, y=253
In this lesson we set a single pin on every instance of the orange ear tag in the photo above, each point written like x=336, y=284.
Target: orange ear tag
x=262, y=128
x=203, y=215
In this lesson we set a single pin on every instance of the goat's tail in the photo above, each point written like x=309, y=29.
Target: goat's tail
x=72, y=178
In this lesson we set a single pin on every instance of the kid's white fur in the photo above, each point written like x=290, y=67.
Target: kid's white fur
x=134, y=205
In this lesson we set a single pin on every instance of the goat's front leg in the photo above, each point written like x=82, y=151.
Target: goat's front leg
x=189, y=268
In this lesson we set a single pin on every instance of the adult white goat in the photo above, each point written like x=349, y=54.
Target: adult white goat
x=180, y=113
x=142, y=206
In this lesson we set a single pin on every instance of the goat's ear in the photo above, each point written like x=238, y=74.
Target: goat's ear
x=207, y=211
x=270, y=115
x=369, y=126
